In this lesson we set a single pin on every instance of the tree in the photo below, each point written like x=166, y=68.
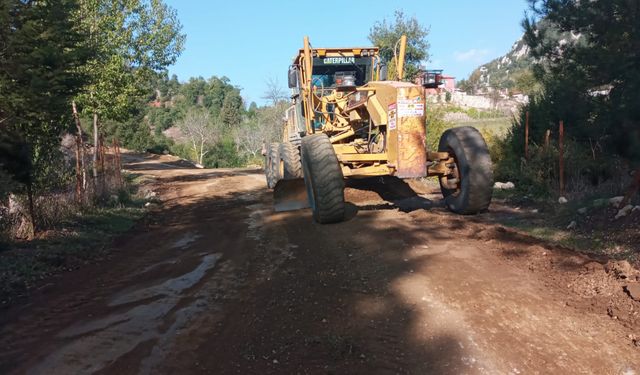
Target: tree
x=252, y=111
x=527, y=83
x=131, y=40
x=274, y=93
x=201, y=131
x=474, y=81
x=232, y=109
x=589, y=67
x=385, y=35
x=41, y=55
x=250, y=138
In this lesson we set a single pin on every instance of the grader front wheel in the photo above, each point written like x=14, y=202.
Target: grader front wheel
x=323, y=179
x=468, y=185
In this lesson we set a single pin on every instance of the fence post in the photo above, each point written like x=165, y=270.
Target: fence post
x=526, y=137
x=118, y=164
x=561, y=152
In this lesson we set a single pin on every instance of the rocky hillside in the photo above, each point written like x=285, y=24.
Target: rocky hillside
x=502, y=72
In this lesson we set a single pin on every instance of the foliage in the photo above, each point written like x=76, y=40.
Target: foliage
x=436, y=125
x=131, y=39
x=586, y=75
x=386, y=34
x=502, y=72
x=527, y=83
x=593, y=81
x=232, y=109
x=472, y=84
x=201, y=132
x=161, y=118
x=41, y=52
x=225, y=155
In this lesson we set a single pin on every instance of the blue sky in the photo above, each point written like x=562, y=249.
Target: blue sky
x=250, y=41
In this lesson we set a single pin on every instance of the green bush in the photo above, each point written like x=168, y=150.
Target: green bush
x=224, y=155
x=161, y=145
x=585, y=169
x=436, y=125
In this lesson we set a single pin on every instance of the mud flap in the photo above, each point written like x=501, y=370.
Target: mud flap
x=290, y=195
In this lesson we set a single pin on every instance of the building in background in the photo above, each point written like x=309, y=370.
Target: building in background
x=435, y=83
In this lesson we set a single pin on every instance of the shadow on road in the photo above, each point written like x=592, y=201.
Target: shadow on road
x=296, y=297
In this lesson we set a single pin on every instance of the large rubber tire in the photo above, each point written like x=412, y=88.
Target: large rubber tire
x=323, y=179
x=290, y=159
x=475, y=170
x=272, y=165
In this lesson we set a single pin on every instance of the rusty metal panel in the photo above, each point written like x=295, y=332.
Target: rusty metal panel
x=411, y=134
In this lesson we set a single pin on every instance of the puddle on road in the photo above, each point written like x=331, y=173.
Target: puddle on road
x=98, y=343
x=186, y=240
x=171, y=287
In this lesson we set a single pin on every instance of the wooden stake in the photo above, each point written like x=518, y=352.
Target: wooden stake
x=561, y=152
x=96, y=151
x=101, y=160
x=526, y=137
x=546, y=139
x=118, y=163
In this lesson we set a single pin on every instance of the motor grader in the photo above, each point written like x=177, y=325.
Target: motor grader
x=347, y=120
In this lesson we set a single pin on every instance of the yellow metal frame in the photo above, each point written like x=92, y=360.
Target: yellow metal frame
x=366, y=109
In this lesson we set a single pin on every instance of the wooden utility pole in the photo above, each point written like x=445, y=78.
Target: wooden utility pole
x=526, y=137
x=561, y=152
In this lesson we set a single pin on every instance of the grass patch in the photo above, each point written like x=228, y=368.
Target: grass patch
x=593, y=243
x=496, y=126
x=80, y=240
x=595, y=233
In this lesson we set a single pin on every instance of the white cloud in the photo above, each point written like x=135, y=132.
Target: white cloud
x=472, y=55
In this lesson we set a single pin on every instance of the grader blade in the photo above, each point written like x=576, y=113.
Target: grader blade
x=290, y=195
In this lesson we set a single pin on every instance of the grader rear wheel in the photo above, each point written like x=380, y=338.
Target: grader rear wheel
x=468, y=185
x=272, y=168
x=323, y=179
x=290, y=158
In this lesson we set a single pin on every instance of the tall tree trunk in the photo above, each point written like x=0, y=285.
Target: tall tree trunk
x=81, y=176
x=78, y=172
x=195, y=150
x=96, y=150
x=32, y=213
x=201, y=153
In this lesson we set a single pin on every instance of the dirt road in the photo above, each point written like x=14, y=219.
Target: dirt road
x=213, y=281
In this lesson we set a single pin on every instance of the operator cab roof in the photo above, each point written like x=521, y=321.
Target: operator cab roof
x=337, y=52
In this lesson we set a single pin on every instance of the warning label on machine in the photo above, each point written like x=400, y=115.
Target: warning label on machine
x=393, y=115
x=410, y=107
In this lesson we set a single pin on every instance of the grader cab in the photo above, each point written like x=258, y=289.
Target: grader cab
x=348, y=121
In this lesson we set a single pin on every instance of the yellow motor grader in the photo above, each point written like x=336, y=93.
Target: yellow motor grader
x=347, y=121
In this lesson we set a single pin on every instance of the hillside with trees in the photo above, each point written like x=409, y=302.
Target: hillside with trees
x=505, y=72
x=591, y=84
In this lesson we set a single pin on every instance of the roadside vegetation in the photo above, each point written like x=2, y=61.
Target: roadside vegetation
x=81, y=79
x=591, y=83
x=73, y=77
x=586, y=76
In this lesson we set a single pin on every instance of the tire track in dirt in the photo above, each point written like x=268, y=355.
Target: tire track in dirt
x=215, y=282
